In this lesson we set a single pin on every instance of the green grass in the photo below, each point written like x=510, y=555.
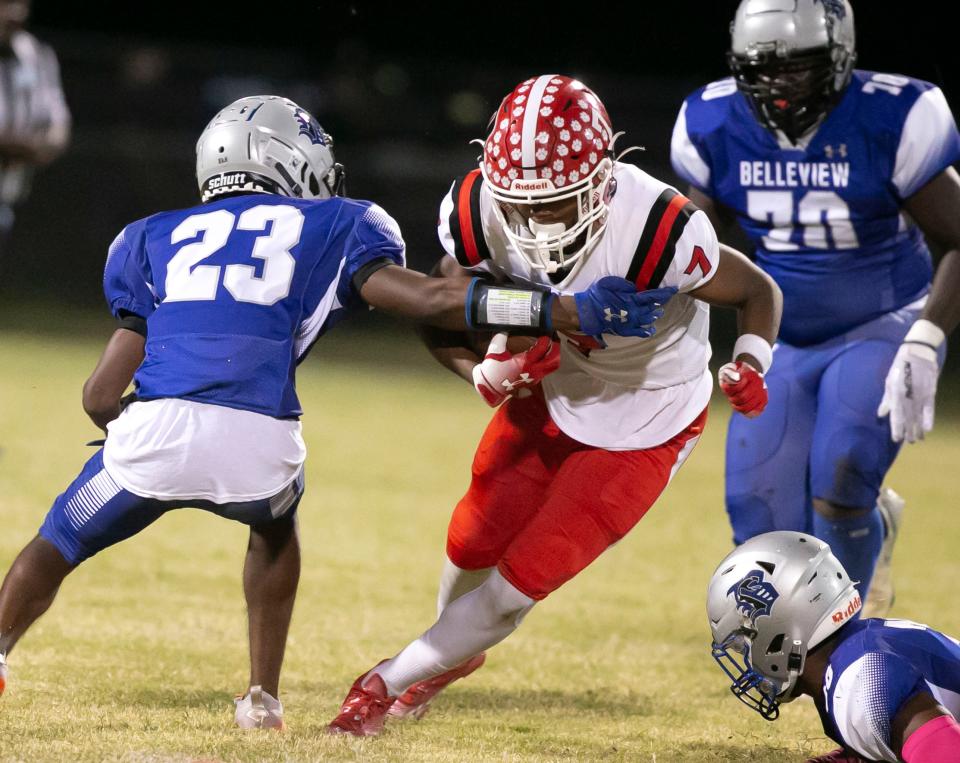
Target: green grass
x=140, y=656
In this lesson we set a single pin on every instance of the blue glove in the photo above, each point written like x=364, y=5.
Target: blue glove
x=613, y=305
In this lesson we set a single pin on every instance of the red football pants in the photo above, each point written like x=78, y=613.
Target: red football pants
x=542, y=506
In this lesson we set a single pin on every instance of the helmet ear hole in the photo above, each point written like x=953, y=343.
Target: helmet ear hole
x=776, y=644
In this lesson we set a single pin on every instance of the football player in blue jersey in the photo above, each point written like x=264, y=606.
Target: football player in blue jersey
x=836, y=175
x=217, y=305
x=783, y=614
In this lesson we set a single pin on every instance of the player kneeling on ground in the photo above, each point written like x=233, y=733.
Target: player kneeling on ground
x=217, y=305
x=567, y=467
x=783, y=614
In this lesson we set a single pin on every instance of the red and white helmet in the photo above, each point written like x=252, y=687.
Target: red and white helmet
x=551, y=139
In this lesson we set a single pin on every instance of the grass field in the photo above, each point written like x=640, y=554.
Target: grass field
x=139, y=658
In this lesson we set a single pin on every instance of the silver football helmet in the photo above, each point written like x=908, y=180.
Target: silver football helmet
x=771, y=601
x=267, y=144
x=792, y=59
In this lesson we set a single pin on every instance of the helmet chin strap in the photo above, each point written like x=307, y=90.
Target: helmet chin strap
x=795, y=662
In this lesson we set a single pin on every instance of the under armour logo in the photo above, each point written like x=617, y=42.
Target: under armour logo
x=525, y=378
x=608, y=313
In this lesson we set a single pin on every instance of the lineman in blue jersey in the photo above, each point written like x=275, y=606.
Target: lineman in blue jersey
x=783, y=614
x=836, y=175
x=217, y=305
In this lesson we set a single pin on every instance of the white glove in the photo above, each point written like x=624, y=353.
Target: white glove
x=911, y=386
x=501, y=374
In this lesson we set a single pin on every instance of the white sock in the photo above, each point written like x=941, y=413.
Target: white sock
x=455, y=582
x=472, y=623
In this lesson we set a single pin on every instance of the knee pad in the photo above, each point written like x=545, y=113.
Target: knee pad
x=849, y=469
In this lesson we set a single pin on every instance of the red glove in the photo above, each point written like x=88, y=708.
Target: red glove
x=501, y=374
x=837, y=756
x=744, y=387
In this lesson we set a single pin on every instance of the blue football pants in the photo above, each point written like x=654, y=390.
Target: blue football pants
x=819, y=436
x=95, y=512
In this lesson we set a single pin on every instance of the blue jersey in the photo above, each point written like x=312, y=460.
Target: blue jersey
x=878, y=665
x=825, y=217
x=235, y=292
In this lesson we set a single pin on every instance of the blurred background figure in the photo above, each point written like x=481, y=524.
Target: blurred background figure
x=34, y=119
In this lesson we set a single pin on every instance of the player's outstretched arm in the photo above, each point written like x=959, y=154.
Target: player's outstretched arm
x=113, y=374
x=457, y=351
x=610, y=305
x=741, y=285
x=443, y=302
x=911, y=384
x=924, y=732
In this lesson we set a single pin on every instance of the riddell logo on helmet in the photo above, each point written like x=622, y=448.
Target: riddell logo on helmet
x=532, y=185
x=851, y=609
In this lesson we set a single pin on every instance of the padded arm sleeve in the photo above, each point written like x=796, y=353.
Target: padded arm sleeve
x=936, y=741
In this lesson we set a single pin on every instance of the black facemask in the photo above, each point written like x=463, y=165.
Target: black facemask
x=789, y=94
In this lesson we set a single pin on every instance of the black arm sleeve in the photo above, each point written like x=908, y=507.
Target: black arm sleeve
x=361, y=276
x=133, y=322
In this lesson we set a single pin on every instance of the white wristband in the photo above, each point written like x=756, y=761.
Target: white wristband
x=757, y=346
x=926, y=332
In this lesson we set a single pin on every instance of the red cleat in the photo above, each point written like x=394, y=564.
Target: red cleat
x=415, y=701
x=365, y=708
x=837, y=756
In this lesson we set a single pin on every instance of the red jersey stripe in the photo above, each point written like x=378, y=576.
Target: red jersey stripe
x=466, y=218
x=656, y=250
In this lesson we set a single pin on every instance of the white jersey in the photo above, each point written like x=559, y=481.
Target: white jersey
x=181, y=450
x=635, y=393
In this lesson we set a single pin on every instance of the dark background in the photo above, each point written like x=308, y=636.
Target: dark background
x=402, y=88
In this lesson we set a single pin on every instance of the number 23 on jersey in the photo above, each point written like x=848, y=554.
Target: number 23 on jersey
x=187, y=280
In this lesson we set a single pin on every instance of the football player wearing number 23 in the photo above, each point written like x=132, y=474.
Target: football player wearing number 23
x=836, y=175
x=588, y=432
x=217, y=305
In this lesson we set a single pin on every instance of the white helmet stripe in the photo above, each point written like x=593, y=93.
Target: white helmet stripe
x=531, y=112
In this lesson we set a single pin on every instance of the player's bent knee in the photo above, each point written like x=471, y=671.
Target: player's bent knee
x=834, y=511
x=469, y=551
x=848, y=469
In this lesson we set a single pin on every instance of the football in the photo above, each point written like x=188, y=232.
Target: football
x=480, y=340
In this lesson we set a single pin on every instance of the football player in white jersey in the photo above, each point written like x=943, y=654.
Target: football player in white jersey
x=215, y=423
x=567, y=467
x=785, y=620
